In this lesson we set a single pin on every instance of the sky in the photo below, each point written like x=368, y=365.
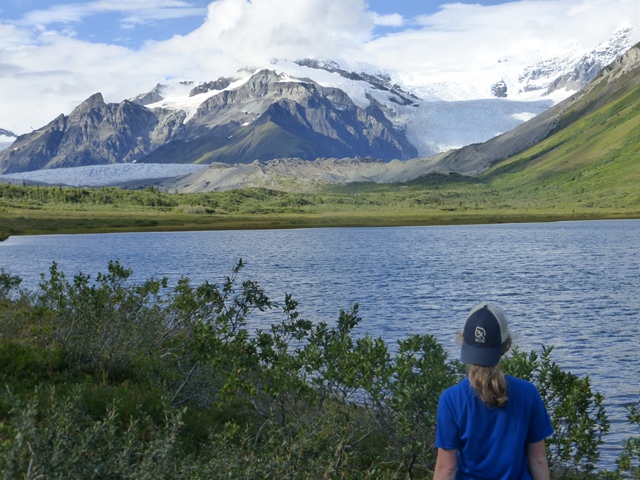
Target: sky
x=56, y=53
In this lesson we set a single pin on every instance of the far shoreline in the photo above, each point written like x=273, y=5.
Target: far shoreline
x=52, y=224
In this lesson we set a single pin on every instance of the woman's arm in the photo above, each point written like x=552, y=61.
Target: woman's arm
x=537, y=456
x=446, y=465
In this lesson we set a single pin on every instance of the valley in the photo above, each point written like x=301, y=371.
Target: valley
x=579, y=159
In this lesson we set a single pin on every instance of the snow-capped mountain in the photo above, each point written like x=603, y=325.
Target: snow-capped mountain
x=573, y=70
x=311, y=109
x=612, y=86
x=263, y=116
x=441, y=114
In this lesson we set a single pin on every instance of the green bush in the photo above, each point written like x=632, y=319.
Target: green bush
x=421, y=374
x=57, y=439
x=112, y=379
x=628, y=461
x=104, y=325
x=8, y=283
x=577, y=413
x=26, y=364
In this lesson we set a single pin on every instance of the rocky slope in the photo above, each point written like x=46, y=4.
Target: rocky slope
x=95, y=133
x=271, y=116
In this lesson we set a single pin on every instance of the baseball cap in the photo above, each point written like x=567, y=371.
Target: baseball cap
x=483, y=335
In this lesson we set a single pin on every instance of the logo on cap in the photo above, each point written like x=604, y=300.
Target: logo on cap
x=480, y=334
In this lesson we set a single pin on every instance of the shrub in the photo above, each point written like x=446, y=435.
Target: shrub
x=577, y=413
x=56, y=439
x=421, y=374
x=628, y=462
x=103, y=325
x=110, y=379
x=8, y=283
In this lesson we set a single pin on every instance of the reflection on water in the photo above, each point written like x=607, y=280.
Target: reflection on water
x=574, y=285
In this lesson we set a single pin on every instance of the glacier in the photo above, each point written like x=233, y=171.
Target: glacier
x=118, y=174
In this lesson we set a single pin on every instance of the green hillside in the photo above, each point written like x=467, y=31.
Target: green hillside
x=592, y=159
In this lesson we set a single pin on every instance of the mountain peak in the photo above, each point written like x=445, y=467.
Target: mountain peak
x=96, y=98
x=95, y=101
x=592, y=62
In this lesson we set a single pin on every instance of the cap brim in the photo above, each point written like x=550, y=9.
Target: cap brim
x=484, y=356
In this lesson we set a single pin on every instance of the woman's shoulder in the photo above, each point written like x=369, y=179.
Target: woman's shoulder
x=520, y=384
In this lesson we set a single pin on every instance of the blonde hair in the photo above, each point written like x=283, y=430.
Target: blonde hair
x=489, y=383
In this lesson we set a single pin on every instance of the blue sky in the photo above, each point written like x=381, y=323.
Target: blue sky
x=56, y=53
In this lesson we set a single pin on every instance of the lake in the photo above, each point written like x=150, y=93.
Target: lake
x=574, y=285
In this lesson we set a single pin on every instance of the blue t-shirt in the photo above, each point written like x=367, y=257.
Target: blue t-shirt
x=491, y=442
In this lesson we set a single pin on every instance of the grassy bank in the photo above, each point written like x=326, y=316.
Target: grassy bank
x=59, y=222
x=38, y=210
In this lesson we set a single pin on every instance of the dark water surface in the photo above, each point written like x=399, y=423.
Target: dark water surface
x=574, y=285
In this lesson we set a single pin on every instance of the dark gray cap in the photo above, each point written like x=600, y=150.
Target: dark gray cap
x=484, y=334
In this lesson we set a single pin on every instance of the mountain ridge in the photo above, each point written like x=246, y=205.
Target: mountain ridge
x=320, y=120
x=587, y=138
x=487, y=160
x=230, y=120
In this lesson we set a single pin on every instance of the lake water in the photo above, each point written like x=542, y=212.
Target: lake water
x=574, y=285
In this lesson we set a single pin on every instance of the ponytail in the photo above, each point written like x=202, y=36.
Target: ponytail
x=489, y=384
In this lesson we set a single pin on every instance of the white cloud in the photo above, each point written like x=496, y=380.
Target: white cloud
x=463, y=36
x=55, y=14
x=258, y=30
x=45, y=72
